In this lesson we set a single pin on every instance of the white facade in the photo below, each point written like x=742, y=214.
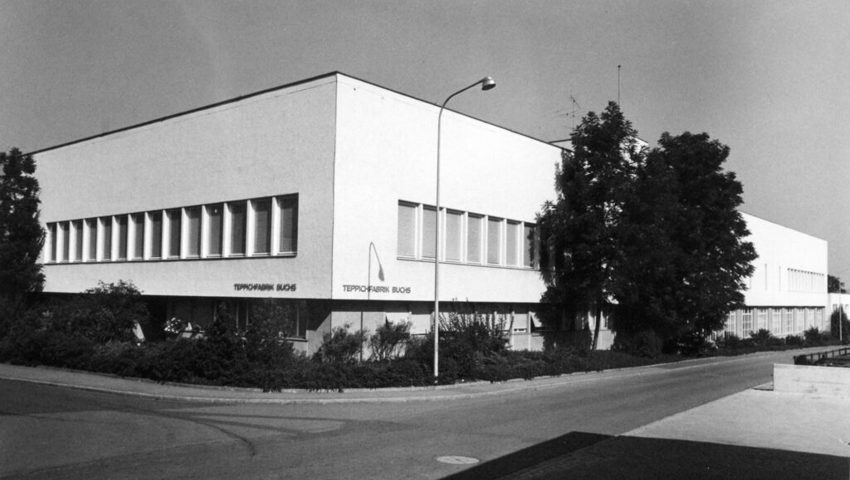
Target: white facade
x=307, y=193
x=354, y=155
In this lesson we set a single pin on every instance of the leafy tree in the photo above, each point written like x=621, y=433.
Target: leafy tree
x=835, y=285
x=713, y=259
x=21, y=235
x=581, y=226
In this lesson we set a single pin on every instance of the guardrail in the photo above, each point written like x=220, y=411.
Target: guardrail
x=819, y=357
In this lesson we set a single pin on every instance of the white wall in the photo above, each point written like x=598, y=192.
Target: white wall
x=780, y=249
x=386, y=152
x=279, y=142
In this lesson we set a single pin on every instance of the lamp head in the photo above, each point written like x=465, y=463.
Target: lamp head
x=487, y=83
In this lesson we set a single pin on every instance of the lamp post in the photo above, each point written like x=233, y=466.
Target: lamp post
x=369, y=285
x=486, y=83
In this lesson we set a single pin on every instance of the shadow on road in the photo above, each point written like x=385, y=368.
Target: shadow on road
x=593, y=456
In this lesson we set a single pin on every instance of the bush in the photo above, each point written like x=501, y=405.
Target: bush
x=794, y=340
x=643, y=344
x=340, y=346
x=815, y=338
x=108, y=312
x=845, y=324
x=390, y=340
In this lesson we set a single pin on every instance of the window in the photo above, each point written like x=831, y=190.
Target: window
x=65, y=229
x=193, y=232
x=78, y=240
x=174, y=220
x=406, y=230
x=156, y=233
x=121, y=227
x=213, y=227
x=776, y=321
x=91, y=227
x=529, y=242
x=494, y=240
x=511, y=244
x=288, y=240
x=262, y=226
x=787, y=321
x=453, y=238
x=137, y=223
x=747, y=321
x=474, y=229
x=429, y=225
x=238, y=220
x=762, y=319
x=54, y=242
x=106, y=238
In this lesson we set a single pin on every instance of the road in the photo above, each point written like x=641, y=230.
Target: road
x=52, y=432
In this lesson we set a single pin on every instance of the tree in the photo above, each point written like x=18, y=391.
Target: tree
x=687, y=258
x=21, y=235
x=835, y=285
x=581, y=226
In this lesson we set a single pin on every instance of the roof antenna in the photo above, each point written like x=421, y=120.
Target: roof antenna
x=618, y=85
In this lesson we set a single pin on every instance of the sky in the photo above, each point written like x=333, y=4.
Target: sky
x=771, y=79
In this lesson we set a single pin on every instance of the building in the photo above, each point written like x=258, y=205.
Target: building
x=319, y=195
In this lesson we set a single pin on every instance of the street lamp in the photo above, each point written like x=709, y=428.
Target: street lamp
x=486, y=83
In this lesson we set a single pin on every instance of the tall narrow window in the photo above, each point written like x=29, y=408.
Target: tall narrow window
x=238, y=219
x=106, y=237
x=174, y=222
x=512, y=244
x=138, y=223
x=121, y=225
x=529, y=241
x=214, y=222
x=288, y=224
x=474, y=235
x=262, y=225
x=156, y=233
x=429, y=226
x=453, y=232
x=494, y=240
x=78, y=240
x=54, y=242
x=65, y=228
x=193, y=231
x=91, y=226
x=406, y=230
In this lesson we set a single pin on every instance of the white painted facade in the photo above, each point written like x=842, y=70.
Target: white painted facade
x=359, y=161
x=351, y=152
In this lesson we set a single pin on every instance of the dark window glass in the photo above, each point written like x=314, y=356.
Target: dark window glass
x=262, y=225
x=156, y=234
x=288, y=224
x=106, y=237
x=121, y=225
x=406, y=230
x=138, y=220
x=91, y=226
x=238, y=220
x=54, y=242
x=66, y=240
x=193, y=231
x=78, y=240
x=214, y=219
x=174, y=223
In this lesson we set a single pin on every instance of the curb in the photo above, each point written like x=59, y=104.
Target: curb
x=350, y=395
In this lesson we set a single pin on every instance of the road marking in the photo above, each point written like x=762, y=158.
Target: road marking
x=457, y=460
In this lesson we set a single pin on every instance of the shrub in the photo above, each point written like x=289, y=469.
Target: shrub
x=340, y=346
x=844, y=330
x=108, y=312
x=761, y=338
x=645, y=343
x=577, y=341
x=389, y=340
x=794, y=340
x=814, y=337
x=729, y=341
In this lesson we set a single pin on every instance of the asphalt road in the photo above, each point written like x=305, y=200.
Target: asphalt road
x=52, y=432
